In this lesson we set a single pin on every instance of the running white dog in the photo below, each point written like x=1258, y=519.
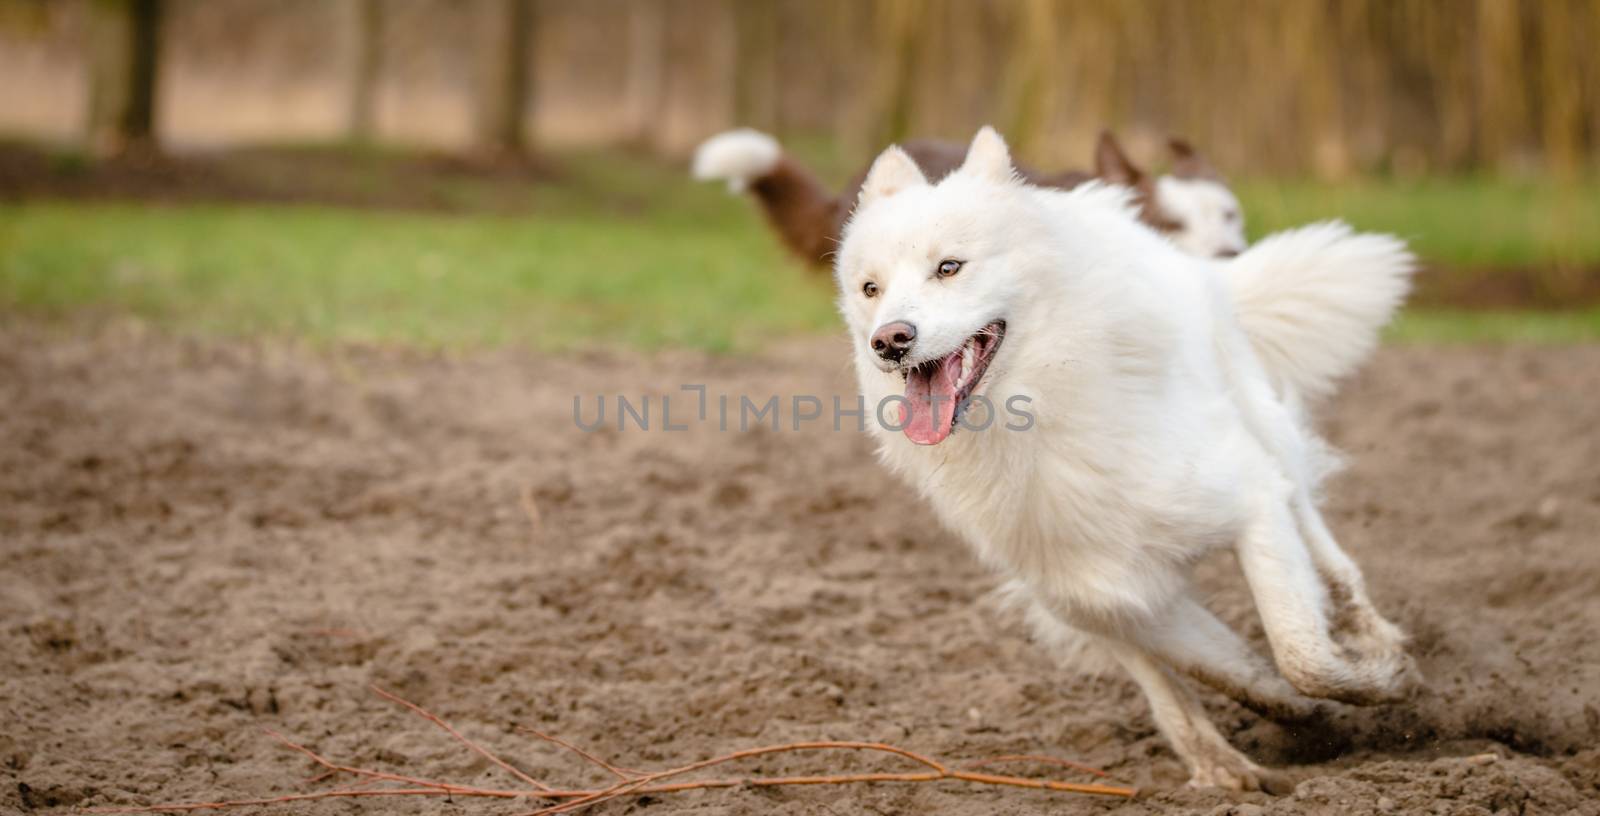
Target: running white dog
x=1166, y=393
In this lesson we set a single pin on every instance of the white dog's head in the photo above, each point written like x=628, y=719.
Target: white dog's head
x=1192, y=205
x=930, y=276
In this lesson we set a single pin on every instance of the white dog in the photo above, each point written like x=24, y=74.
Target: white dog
x=1165, y=391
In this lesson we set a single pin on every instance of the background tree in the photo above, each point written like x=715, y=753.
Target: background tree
x=367, y=36
x=123, y=69
x=1029, y=98
x=644, y=92
x=755, y=76
x=1326, y=87
x=895, y=50
x=503, y=76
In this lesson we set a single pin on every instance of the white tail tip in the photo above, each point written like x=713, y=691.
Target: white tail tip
x=737, y=157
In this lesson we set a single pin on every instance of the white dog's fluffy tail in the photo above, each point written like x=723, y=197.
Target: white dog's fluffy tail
x=737, y=157
x=1313, y=299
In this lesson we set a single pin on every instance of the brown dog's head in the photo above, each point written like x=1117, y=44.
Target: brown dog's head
x=1192, y=205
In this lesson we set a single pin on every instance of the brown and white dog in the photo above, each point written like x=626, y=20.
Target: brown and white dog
x=1191, y=205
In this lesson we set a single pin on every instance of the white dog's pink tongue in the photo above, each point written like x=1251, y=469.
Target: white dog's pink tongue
x=930, y=412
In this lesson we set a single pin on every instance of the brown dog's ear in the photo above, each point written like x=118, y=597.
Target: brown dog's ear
x=1112, y=165
x=893, y=171
x=1187, y=163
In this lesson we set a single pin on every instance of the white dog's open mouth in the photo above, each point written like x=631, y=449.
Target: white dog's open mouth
x=937, y=389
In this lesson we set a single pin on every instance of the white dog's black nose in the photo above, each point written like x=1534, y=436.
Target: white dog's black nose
x=893, y=340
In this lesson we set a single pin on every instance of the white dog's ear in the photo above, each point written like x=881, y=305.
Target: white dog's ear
x=988, y=157
x=892, y=172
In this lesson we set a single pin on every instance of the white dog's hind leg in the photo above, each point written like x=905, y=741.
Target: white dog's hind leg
x=1192, y=640
x=1186, y=637
x=1182, y=720
x=1074, y=649
x=1292, y=600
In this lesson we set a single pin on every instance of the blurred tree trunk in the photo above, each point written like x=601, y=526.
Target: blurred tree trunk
x=503, y=75
x=756, y=64
x=1313, y=66
x=849, y=63
x=124, y=60
x=1029, y=95
x=367, y=30
x=645, y=93
x=1501, y=111
x=895, y=52
x=1561, y=125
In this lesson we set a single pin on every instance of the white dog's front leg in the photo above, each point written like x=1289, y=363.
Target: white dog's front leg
x=1182, y=720
x=1291, y=598
x=1354, y=621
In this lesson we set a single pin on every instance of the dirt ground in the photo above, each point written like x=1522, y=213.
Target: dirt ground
x=199, y=539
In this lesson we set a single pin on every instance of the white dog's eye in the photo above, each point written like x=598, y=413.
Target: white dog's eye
x=869, y=289
x=948, y=267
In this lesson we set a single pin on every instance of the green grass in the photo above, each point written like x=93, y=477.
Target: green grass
x=1458, y=224
x=1453, y=222
x=432, y=280
x=623, y=251
x=580, y=268
x=1450, y=326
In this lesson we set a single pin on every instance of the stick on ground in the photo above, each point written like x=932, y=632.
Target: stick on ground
x=632, y=782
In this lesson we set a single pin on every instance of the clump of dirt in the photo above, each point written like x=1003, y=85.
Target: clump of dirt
x=199, y=539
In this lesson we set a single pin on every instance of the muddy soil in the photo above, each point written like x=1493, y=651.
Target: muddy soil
x=202, y=539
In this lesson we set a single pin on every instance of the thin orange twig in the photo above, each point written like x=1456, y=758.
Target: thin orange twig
x=620, y=773
x=632, y=783
x=937, y=771
x=481, y=751
x=350, y=769
x=1045, y=760
x=640, y=784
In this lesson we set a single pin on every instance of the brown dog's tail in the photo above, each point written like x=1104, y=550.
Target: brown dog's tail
x=805, y=214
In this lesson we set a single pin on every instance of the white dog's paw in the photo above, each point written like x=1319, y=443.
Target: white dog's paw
x=1239, y=774
x=1357, y=626
x=1353, y=678
x=1368, y=633
x=1404, y=678
x=1378, y=652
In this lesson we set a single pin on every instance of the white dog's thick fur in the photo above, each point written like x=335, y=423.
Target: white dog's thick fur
x=1165, y=391
x=1317, y=321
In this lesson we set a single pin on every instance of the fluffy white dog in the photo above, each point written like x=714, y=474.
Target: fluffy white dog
x=1165, y=393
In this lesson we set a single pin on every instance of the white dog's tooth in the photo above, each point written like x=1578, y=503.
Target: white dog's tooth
x=966, y=364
